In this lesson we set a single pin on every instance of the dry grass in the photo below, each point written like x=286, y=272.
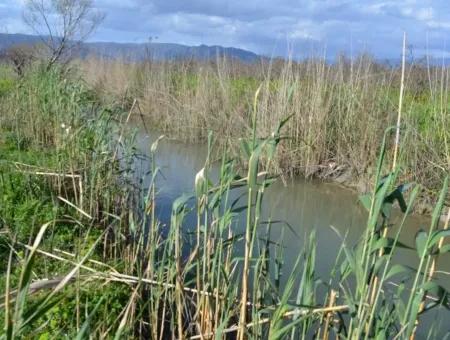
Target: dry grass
x=339, y=111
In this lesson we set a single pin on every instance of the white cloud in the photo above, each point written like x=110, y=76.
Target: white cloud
x=266, y=25
x=421, y=14
x=439, y=24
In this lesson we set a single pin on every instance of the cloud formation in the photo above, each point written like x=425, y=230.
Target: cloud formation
x=272, y=27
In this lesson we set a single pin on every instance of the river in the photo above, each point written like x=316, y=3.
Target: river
x=306, y=205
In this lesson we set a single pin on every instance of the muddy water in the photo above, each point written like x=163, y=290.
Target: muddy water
x=305, y=205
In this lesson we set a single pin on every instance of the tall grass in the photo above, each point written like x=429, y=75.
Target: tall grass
x=339, y=111
x=104, y=266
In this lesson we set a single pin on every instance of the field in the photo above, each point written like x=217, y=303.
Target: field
x=85, y=256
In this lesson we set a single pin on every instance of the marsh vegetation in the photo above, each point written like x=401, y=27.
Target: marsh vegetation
x=85, y=254
x=338, y=111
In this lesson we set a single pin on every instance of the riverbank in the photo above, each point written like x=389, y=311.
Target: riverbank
x=338, y=112
x=85, y=253
x=60, y=185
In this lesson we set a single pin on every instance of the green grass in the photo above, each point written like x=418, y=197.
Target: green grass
x=33, y=144
x=7, y=79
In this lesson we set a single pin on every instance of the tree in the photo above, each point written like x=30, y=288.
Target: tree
x=62, y=24
x=20, y=57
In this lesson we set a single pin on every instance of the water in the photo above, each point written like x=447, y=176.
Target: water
x=304, y=204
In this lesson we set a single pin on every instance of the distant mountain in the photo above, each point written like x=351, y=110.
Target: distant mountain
x=7, y=40
x=136, y=51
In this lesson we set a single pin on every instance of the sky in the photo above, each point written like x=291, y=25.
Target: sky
x=271, y=27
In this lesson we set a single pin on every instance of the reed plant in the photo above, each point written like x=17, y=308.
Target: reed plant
x=96, y=262
x=339, y=110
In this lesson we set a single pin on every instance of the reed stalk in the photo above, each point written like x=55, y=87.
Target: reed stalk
x=213, y=268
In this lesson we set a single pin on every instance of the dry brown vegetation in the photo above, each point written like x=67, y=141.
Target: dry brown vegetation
x=339, y=111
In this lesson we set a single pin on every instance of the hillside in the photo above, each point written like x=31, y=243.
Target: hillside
x=139, y=51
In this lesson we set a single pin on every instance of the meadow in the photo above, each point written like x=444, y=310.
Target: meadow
x=85, y=256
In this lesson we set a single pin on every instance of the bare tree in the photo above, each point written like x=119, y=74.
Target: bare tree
x=19, y=56
x=61, y=24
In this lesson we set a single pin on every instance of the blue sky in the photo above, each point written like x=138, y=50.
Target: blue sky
x=269, y=27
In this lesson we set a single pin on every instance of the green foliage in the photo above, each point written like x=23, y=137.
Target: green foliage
x=6, y=85
x=103, y=305
x=242, y=89
x=184, y=82
x=7, y=80
x=51, y=127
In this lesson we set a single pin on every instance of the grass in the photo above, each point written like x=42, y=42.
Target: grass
x=339, y=111
x=85, y=256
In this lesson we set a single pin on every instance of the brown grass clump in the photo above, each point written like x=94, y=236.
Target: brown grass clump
x=339, y=111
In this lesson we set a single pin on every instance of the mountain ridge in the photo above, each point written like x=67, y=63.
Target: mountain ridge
x=139, y=51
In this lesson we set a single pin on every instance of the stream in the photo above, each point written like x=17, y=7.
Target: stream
x=306, y=205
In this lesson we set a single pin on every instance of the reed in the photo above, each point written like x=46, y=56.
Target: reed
x=213, y=271
x=339, y=111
